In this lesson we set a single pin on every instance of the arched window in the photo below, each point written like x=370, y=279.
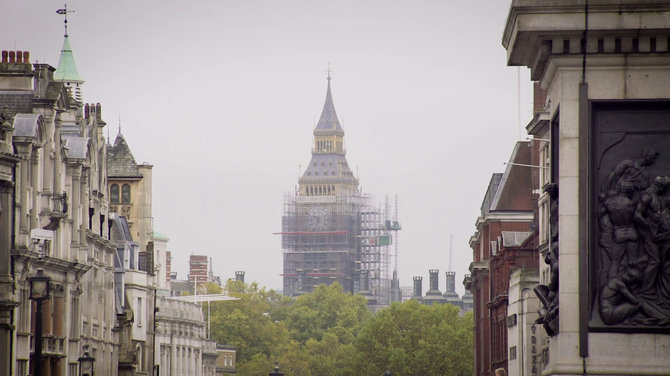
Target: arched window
x=114, y=194
x=125, y=194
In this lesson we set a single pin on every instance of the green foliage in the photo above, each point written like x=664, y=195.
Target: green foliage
x=416, y=339
x=327, y=309
x=248, y=323
x=330, y=332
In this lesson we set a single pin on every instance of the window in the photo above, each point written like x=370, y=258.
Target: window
x=125, y=194
x=21, y=367
x=139, y=312
x=114, y=194
x=512, y=353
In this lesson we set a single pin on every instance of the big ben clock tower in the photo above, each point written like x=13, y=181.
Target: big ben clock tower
x=322, y=221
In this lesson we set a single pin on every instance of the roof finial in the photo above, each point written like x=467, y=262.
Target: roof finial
x=329, y=71
x=64, y=12
x=119, y=123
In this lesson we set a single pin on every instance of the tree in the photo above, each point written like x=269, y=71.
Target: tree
x=326, y=309
x=415, y=339
x=248, y=323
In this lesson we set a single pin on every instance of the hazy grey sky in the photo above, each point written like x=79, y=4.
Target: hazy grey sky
x=222, y=97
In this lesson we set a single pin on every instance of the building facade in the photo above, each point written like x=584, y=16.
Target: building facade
x=502, y=243
x=55, y=220
x=604, y=66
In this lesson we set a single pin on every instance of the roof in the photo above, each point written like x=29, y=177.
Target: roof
x=157, y=235
x=516, y=187
x=328, y=167
x=27, y=125
x=120, y=161
x=328, y=120
x=67, y=69
x=514, y=238
x=76, y=147
x=490, y=192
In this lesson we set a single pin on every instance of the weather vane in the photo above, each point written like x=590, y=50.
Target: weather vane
x=64, y=11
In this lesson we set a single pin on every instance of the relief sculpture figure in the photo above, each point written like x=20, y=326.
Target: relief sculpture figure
x=548, y=294
x=634, y=243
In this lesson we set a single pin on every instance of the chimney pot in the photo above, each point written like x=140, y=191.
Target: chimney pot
x=98, y=111
x=86, y=111
x=19, y=56
x=12, y=56
x=4, y=56
x=26, y=57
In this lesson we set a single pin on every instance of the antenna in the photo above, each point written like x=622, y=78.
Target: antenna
x=518, y=100
x=451, y=250
x=64, y=12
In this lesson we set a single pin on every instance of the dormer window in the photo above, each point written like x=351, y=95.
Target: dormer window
x=114, y=194
x=125, y=194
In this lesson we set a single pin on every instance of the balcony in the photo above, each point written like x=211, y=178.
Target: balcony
x=52, y=346
x=58, y=211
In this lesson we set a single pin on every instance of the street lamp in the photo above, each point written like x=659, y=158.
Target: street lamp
x=39, y=291
x=86, y=364
x=276, y=372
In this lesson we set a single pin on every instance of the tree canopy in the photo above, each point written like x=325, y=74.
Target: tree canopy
x=330, y=332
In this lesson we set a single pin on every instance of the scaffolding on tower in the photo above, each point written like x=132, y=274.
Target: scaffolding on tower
x=342, y=238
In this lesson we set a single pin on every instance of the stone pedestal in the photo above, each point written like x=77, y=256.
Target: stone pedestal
x=605, y=66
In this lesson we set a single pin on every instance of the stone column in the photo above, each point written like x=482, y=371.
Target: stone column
x=76, y=203
x=58, y=162
x=83, y=204
x=34, y=179
x=7, y=299
x=23, y=184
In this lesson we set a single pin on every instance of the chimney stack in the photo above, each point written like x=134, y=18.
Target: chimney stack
x=434, y=279
x=239, y=275
x=451, y=282
x=418, y=289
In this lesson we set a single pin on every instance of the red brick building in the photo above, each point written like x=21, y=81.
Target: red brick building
x=503, y=242
x=198, y=269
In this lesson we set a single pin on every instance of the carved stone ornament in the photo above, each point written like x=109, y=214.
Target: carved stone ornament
x=630, y=252
x=548, y=294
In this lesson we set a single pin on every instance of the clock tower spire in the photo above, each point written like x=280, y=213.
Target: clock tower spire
x=328, y=173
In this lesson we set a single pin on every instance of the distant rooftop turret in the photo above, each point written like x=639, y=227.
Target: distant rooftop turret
x=418, y=288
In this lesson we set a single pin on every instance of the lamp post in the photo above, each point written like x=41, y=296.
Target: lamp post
x=86, y=362
x=276, y=372
x=39, y=292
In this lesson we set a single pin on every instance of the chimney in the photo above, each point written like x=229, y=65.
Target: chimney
x=98, y=111
x=86, y=109
x=15, y=65
x=26, y=57
x=418, y=289
x=44, y=74
x=451, y=282
x=239, y=276
x=434, y=279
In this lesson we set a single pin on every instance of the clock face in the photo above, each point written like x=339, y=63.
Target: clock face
x=317, y=219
